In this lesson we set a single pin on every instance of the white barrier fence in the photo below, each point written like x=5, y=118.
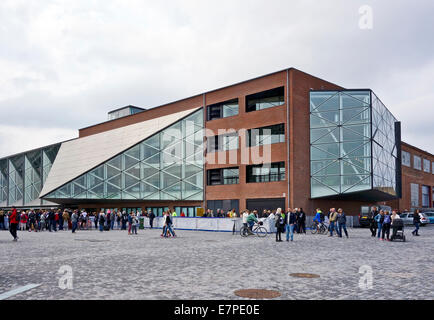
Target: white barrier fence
x=225, y=224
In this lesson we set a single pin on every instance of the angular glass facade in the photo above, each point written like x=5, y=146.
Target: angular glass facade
x=165, y=166
x=352, y=143
x=384, y=148
x=22, y=176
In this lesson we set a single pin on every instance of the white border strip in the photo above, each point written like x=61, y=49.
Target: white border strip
x=16, y=291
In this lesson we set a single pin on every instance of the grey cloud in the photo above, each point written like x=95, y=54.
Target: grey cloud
x=68, y=63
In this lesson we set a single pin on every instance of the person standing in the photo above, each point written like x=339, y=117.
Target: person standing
x=74, y=221
x=302, y=221
x=50, y=219
x=65, y=217
x=101, y=221
x=151, y=216
x=130, y=223
x=23, y=221
x=291, y=224
x=394, y=218
x=56, y=219
x=342, y=223
x=13, y=224
x=112, y=219
x=279, y=223
x=416, y=222
x=169, y=226
x=372, y=223
x=134, y=224
x=124, y=220
x=332, y=218
x=32, y=221
x=2, y=220
x=386, y=226
x=379, y=218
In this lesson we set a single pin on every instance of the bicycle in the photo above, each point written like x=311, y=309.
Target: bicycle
x=320, y=228
x=257, y=229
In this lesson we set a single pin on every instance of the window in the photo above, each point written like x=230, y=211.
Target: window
x=225, y=205
x=406, y=158
x=433, y=167
x=188, y=211
x=223, y=176
x=222, y=110
x=414, y=191
x=417, y=163
x=265, y=99
x=266, y=135
x=223, y=142
x=425, y=196
x=426, y=165
x=266, y=172
x=158, y=211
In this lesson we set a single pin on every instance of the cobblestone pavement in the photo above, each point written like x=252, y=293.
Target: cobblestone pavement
x=212, y=265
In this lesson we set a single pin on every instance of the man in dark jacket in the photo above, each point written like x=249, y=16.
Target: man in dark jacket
x=291, y=223
x=302, y=221
x=13, y=224
x=342, y=223
x=372, y=222
x=151, y=216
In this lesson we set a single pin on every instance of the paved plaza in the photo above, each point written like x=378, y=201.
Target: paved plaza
x=212, y=265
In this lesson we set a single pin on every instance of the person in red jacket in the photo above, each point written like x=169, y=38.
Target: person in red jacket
x=13, y=225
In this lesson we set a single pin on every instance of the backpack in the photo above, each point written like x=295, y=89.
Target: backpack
x=387, y=219
x=321, y=215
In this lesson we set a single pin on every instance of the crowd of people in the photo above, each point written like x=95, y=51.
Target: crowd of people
x=292, y=221
x=381, y=221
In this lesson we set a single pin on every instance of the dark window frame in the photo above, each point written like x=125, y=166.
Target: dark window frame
x=215, y=111
x=215, y=143
x=261, y=131
x=270, y=176
x=275, y=92
x=215, y=177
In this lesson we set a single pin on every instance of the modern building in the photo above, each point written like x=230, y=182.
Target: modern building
x=286, y=139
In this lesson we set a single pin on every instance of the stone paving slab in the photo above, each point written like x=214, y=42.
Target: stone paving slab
x=212, y=265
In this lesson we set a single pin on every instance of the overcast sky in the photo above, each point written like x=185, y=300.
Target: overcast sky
x=64, y=64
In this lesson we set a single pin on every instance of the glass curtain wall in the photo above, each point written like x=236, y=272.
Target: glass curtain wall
x=4, y=176
x=166, y=166
x=346, y=156
x=384, y=151
x=340, y=142
x=22, y=176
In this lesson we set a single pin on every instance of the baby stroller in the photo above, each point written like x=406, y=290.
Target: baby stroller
x=398, y=230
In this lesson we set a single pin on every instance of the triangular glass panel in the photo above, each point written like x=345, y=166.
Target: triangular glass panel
x=333, y=168
x=153, y=180
x=330, y=118
x=325, y=151
x=153, y=161
x=175, y=170
x=153, y=141
x=324, y=135
x=116, y=162
x=191, y=169
x=349, y=101
x=318, y=98
x=129, y=161
x=134, y=152
x=115, y=181
x=98, y=172
x=330, y=185
x=352, y=116
x=130, y=180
